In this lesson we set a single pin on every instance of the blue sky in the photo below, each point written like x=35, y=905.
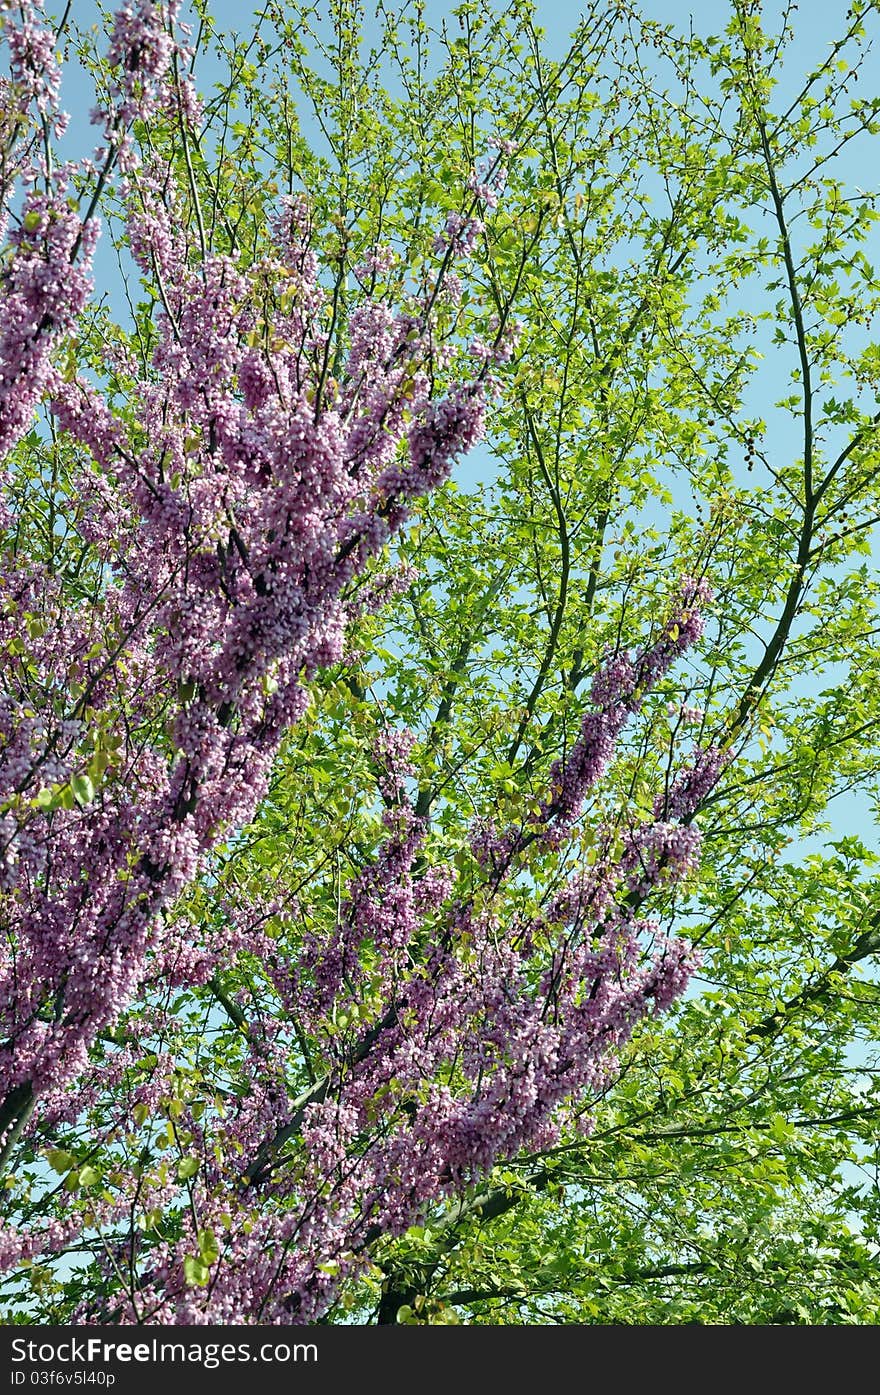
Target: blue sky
x=817, y=23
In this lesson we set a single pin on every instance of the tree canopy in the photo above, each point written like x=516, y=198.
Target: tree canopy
x=438, y=638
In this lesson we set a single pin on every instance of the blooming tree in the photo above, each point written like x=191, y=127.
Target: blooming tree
x=227, y=500
x=361, y=830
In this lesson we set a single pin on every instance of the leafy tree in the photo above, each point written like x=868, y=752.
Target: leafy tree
x=362, y=958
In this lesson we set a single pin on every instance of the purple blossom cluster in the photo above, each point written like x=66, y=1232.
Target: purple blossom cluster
x=693, y=784
x=33, y=68
x=140, y=52
x=616, y=693
x=44, y=291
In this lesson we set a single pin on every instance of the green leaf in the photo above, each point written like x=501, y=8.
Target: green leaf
x=59, y=1160
x=208, y=1247
x=83, y=789
x=195, y=1271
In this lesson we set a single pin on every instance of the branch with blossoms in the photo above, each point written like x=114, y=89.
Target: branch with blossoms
x=231, y=507
x=452, y=1038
